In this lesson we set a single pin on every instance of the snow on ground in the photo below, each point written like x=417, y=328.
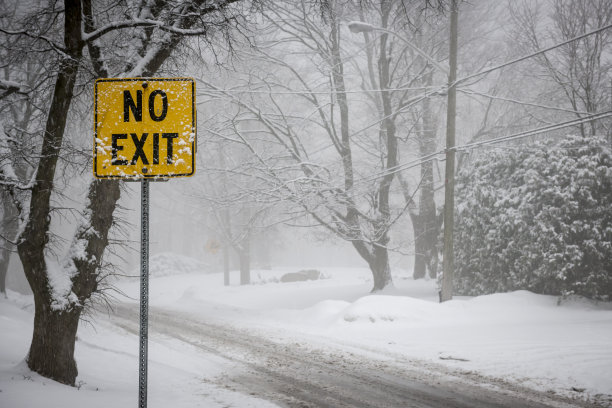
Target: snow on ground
x=521, y=336
x=107, y=359
x=525, y=338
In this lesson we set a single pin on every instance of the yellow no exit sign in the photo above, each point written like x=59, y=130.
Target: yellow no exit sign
x=144, y=128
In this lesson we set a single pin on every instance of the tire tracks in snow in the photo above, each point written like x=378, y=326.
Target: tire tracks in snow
x=306, y=376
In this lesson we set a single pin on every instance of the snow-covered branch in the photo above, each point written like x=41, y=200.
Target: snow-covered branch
x=137, y=22
x=10, y=87
x=177, y=26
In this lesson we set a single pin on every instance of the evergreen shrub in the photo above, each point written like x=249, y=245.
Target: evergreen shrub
x=536, y=217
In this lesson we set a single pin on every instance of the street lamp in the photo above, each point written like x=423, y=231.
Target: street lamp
x=446, y=292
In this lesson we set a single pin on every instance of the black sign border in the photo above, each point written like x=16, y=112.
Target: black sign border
x=146, y=176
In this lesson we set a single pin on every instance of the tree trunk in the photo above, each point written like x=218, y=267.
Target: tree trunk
x=428, y=234
x=380, y=268
x=420, y=261
x=226, y=266
x=378, y=261
x=54, y=330
x=245, y=260
x=10, y=225
x=426, y=228
x=430, y=242
x=92, y=237
x=377, y=257
x=5, y=256
x=245, y=268
x=52, y=350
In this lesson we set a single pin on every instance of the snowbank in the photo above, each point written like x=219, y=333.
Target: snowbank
x=107, y=359
x=521, y=337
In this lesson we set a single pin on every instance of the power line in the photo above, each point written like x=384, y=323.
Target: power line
x=545, y=129
x=434, y=156
x=501, y=98
x=458, y=81
x=439, y=155
x=430, y=90
x=542, y=51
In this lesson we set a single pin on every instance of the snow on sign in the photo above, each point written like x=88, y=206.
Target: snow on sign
x=144, y=128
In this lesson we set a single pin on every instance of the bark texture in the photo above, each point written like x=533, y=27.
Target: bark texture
x=52, y=350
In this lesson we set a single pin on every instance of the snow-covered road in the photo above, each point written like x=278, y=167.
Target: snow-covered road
x=307, y=374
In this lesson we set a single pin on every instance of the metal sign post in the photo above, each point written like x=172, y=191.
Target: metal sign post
x=144, y=294
x=144, y=129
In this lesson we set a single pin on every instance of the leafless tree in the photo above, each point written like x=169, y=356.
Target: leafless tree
x=307, y=148
x=236, y=213
x=411, y=105
x=88, y=38
x=25, y=80
x=580, y=72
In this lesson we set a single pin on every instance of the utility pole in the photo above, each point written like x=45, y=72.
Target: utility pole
x=446, y=292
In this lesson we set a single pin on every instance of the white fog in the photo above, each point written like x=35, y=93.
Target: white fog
x=317, y=203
